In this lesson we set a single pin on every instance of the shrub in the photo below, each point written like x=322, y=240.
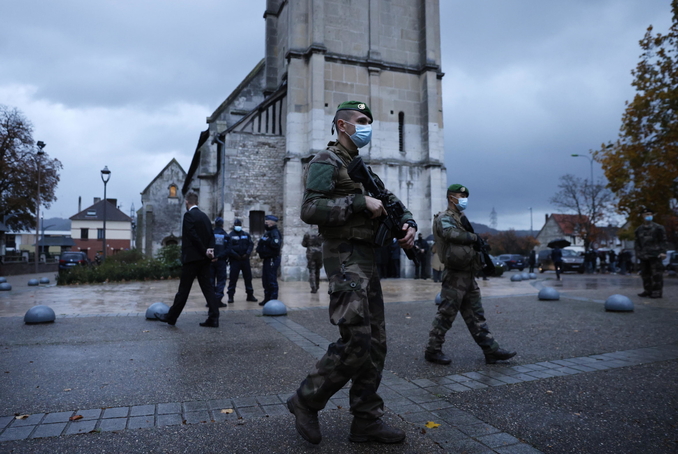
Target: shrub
x=120, y=270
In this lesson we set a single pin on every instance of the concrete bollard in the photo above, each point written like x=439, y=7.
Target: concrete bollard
x=160, y=308
x=5, y=287
x=44, y=280
x=39, y=314
x=274, y=308
x=439, y=299
x=618, y=303
x=525, y=276
x=549, y=294
x=516, y=278
x=33, y=282
x=3, y=280
x=532, y=276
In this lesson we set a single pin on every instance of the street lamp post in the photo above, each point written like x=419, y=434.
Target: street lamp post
x=590, y=161
x=39, y=154
x=105, y=176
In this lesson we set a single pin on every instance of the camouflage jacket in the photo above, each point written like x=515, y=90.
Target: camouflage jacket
x=454, y=243
x=313, y=244
x=334, y=202
x=650, y=241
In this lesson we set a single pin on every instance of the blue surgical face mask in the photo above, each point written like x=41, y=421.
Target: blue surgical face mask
x=463, y=203
x=649, y=218
x=237, y=228
x=362, y=135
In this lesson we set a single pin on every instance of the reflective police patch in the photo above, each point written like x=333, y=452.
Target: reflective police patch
x=235, y=237
x=448, y=223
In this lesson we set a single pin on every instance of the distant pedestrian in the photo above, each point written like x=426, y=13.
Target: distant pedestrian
x=650, y=245
x=557, y=258
x=612, y=259
x=313, y=243
x=394, y=260
x=268, y=249
x=220, y=260
x=197, y=252
x=421, y=252
x=241, y=246
x=532, y=260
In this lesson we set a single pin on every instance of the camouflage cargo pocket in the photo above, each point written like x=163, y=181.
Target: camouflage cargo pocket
x=347, y=300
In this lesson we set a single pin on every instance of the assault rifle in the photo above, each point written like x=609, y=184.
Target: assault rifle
x=390, y=226
x=480, y=246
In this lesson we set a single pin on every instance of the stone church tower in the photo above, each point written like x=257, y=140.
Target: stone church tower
x=319, y=53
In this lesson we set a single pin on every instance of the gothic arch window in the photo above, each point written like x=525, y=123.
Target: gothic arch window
x=401, y=131
x=173, y=191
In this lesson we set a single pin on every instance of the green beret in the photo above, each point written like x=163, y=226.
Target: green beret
x=458, y=188
x=356, y=105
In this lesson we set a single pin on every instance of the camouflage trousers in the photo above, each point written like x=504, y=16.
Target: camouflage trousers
x=357, y=308
x=460, y=293
x=652, y=272
x=315, y=262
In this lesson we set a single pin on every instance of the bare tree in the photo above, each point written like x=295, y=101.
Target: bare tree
x=594, y=204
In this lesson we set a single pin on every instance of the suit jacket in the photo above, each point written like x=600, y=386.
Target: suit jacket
x=196, y=236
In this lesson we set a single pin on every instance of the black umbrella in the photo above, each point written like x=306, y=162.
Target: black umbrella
x=560, y=242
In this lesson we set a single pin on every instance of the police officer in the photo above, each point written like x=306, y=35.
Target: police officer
x=268, y=249
x=651, y=250
x=458, y=247
x=313, y=243
x=347, y=220
x=220, y=260
x=241, y=246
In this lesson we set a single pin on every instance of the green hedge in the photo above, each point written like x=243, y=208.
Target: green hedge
x=127, y=266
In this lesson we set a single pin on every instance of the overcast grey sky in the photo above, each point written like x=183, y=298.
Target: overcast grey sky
x=128, y=84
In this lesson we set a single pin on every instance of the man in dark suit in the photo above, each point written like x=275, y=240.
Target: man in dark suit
x=197, y=251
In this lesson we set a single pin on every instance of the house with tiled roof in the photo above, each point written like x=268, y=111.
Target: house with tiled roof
x=87, y=229
x=568, y=226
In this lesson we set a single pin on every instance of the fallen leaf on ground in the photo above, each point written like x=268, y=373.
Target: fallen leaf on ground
x=432, y=425
x=75, y=418
x=549, y=392
x=147, y=331
x=21, y=417
x=67, y=389
x=228, y=411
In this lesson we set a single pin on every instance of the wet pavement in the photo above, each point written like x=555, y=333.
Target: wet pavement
x=584, y=380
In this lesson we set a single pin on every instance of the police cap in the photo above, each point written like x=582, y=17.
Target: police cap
x=356, y=105
x=647, y=210
x=219, y=221
x=237, y=222
x=270, y=217
x=460, y=188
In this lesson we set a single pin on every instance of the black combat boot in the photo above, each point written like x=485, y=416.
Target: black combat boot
x=363, y=430
x=498, y=355
x=306, y=420
x=251, y=298
x=644, y=294
x=438, y=358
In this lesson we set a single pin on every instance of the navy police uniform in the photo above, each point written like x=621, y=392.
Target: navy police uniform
x=241, y=246
x=268, y=249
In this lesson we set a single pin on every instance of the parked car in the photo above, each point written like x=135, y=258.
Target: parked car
x=499, y=266
x=671, y=261
x=513, y=261
x=572, y=261
x=71, y=259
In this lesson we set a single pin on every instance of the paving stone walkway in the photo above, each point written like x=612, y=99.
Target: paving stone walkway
x=417, y=402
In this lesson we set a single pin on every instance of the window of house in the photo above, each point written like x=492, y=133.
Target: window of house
x=401, y=131
x=84, y=234
x=257, y=222
x=173, y=191
x=100, y=234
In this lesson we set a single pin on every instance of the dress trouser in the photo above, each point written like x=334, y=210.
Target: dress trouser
x=269, y=278
x=357, y=308
x=189, y=271
x=238, y=265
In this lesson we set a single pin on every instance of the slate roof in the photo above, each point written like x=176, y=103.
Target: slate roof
x=112, y=213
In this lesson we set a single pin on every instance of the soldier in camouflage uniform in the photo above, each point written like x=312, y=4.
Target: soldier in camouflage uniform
x=651, y=250
x=347, y=221
x=458, y=247
x=314, y=257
